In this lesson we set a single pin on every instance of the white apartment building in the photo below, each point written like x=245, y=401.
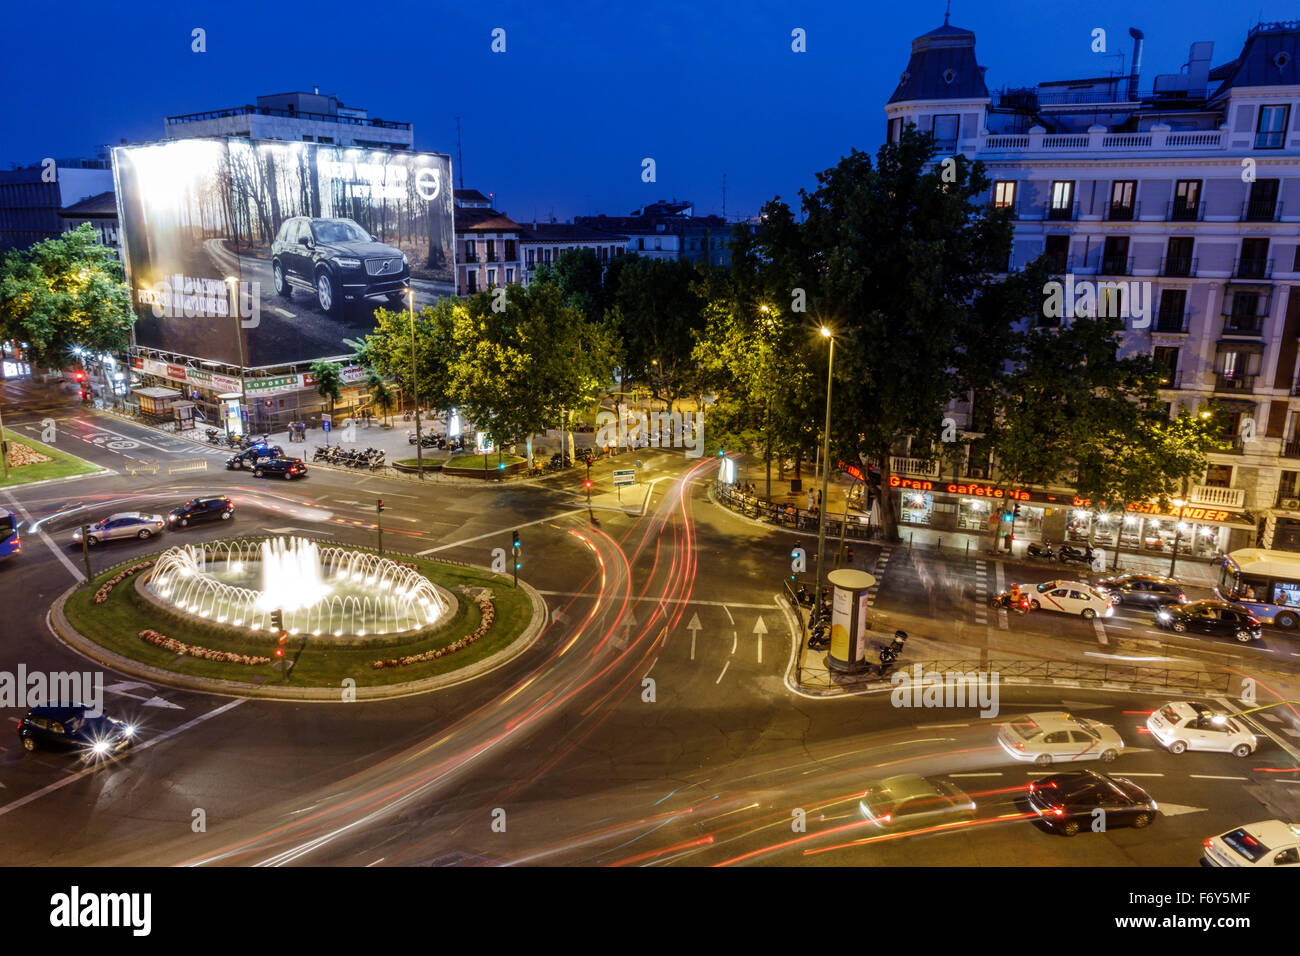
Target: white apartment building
x=1188, y=185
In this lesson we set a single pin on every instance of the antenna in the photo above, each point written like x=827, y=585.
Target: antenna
x=460, y=160
x=946, y=10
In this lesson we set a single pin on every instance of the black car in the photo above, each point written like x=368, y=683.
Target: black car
x=67, y=727
x=1215, y=618
x=1069, y=802
x=1144, y=590
x=246, y=459
x=287, y=468
x=197, y=510
x=337, y=261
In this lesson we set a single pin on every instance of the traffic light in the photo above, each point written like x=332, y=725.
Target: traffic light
x=587, y=484
x=1016, y=511
x=379, y=505
x=79, y=376
x=501, y=466
x=277, y=620
x=279, y=646
x=515, y=547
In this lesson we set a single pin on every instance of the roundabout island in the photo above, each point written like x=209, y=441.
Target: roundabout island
x=283, y=617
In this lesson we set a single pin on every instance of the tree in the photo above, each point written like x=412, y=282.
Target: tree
x=329, y=381
x=387, y=350
x=659, y=313
x=65, y=293
x=380, y=393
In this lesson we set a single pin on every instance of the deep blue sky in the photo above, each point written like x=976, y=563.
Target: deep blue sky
x=559, y=123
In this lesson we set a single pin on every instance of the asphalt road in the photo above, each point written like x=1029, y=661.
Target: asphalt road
x=651, y=723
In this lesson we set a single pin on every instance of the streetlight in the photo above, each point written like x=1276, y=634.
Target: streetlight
x=1179, y=504
x=233, y=282
x=415, y=386
x=826, y=453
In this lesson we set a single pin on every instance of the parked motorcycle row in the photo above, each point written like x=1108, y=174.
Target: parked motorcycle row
x=237, y=442
x=430, y=440
x=372, y=458
x=1067, y=554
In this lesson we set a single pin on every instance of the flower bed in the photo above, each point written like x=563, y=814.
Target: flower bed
x=151, y=636
x=102, y=594
x=20, y=455
x=487, y=612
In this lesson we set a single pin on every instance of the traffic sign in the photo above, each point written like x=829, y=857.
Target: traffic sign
x=626, y=476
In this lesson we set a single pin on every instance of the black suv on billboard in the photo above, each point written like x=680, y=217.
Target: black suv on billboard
x=338, y=262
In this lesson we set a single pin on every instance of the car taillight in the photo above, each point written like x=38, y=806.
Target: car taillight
x=230, y=506
x=1020, y=745
x=1209, y=842
x=1059, y=811
x=886, y=818
x=1031, y=786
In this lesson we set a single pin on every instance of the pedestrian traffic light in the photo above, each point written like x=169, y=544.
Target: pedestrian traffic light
x=1016, y=511
x=379, y=504
x=515, y=547
x=501, y=466
x=277, y=620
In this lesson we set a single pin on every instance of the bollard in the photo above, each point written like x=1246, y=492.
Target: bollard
x=910, y=538
x=939, y=546
x=968, y=547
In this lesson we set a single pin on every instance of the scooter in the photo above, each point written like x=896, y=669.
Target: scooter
x=1042, y=552
x=1069, y=553
x=890, y=654
x=1003, y=600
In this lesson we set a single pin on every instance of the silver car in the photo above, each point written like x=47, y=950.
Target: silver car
x=125, y=524
x=909, y=800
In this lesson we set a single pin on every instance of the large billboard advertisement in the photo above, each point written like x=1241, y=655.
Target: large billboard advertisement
x=278, y=248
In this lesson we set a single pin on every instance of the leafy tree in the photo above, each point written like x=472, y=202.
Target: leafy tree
x=329, y=381
x=380, y=393
x=659, y=313
x=64, y=293
x=387, y=350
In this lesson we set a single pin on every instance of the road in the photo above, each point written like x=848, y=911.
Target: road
x=652, y=722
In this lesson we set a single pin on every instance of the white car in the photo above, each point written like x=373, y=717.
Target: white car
x=1267, y=843
x=1071, y=597
x=1191, y=725
x=1058, y=737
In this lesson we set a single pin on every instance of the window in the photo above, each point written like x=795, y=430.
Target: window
x=471, y=281
x=1114, y=256
x=659, y=243
x=1122, y=195
x=528, y=257
x=1062, y=206
x=1272, y=126
x=895, y=131
x=510, y=250
x=1004, y=194
x=1187, y=199
x=1166, y=358
x=1253, y=263
x=640, y=244
x=1262, y=203
x=491, y=253
x=492, y=278
x=1058, y=252
x=1218, y=476
x=945, y=132
x=1173, y=306
x=1178, y=256
x=510, y=275
x=470, y=254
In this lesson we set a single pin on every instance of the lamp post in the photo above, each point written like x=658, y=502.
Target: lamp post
x=826, y=452
x=415, y=387
x=1179, y=504
x=233, y=283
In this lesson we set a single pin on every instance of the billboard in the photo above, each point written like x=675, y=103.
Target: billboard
x=277, y=251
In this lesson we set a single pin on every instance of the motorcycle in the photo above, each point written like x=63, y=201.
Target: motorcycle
x=1021, y=605
x=214, y=436
x=1085, y=555
x=819, y=639
x=378, y=461
x=890, y=654
x=1042, y=552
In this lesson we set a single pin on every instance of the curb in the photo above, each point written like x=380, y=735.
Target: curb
x=62, y=629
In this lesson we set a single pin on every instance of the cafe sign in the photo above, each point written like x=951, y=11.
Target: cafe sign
x=1188, y=512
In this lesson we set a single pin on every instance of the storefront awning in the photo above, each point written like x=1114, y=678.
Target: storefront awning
x=157, y=391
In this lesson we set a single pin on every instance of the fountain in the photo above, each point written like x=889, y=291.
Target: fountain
x=332, y=591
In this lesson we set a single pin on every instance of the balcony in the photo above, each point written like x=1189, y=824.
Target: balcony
x=1116, y=266
x=1239, y=384
x=1173, y=322
x=1233, y=445
x=1120, y=212
x=914, y=467
x=1060, y=213
x=1102, y=143
x=1261, y=210
x=1291, y=449
x=1220, y=497
x=1252, y=268
x=1249, y=325
x=287, y=114
x=1178, y=266
x=1182, y=211
x=1171, y=379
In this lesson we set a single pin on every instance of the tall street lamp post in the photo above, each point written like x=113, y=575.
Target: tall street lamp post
x=233, y=282
x=1179, y=504
x=826, y=452
x=415, y=387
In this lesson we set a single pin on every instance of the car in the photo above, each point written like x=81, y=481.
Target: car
x=338, y=262
x=910, y=800
x=67, y=727
x=287, y=468
x=1071, y=802
x=1049, y=737
x=198, y=510
x=1215, y=618
x=1070, y=597
x=1267, y=843
x=1143, y=590
x=1192, y=725
x=125, y=524
x=248, y=457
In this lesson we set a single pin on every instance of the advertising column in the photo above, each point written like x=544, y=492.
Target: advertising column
x=849, y=605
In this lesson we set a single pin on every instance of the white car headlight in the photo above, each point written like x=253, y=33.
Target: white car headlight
x=100, y=746
x=348, y=263
x=1163, y=615
x=129, y=730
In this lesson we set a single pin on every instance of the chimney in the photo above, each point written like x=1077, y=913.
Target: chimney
x=1138, y=37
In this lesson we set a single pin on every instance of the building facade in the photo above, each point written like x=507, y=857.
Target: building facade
x=1178, y=202
x=669, y=230
x=544, y=242
x=302, y=117
x=487, y=249
x=31, y=198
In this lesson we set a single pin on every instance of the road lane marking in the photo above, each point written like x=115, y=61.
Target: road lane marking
x=992, y=773
x=1210, y=776
x=1100, y=631
x=664, y=600
x=730, y=619
x=724, y=671
x=503, y=531
x=49, y=542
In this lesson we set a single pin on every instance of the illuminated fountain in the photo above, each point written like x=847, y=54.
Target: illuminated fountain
x=331, y=591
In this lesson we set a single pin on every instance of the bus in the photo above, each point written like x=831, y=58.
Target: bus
x=1267, y=583
x=11, y=542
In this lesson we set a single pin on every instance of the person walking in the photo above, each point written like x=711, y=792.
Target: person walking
x=810, y=499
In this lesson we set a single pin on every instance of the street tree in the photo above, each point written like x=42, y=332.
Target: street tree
x=329, y=381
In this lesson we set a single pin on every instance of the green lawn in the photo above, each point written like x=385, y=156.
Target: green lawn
x=62, y=466
x=117, y=623
x=475, y=462
x=429, y=462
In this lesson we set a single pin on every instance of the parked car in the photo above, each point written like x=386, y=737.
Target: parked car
x=199, y=510
x=1071, y=802
x=1192, y=725
x=287, y=468
x=910, y=800
x=1215, y=618
x=1071, y=597
x=248, y=458
x=125, y=524
x=1267, y=843
x=66, y=727
x=1143, y=590
x=1050, y=737
x=338, y=262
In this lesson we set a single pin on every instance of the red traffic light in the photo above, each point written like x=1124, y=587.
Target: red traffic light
x=279, y=652
x=79, y=376
x=587, y=485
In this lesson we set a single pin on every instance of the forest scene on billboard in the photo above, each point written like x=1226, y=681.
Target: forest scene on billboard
x=292, y=244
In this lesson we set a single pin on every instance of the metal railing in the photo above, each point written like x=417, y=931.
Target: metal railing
x=752, y=506
x=1116, y=265
x=1261, y=210
x=1178, y=211
x=1120, y=212
x=1080, y=672
x=1252, y=268
x=1178, y=266
x=251, y=110
x=1252, y=325
x=1234, y=383
x=1173, y=322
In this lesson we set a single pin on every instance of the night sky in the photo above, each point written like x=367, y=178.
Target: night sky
x=559, y=123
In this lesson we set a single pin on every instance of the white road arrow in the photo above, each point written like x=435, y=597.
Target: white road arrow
x=155, y=701
x=760, y=629
x=694, y=626
x=1176, y=809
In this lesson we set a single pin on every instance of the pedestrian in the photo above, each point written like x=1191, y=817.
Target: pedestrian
x=810, y=499
x=819, y=501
